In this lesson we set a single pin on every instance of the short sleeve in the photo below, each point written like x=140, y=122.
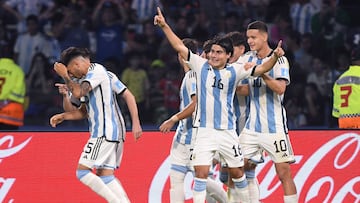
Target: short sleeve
x=281, y=70
x=96, y=74
x=117, y=86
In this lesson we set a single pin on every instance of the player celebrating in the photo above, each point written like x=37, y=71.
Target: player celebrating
x=102, y=149
x=181, y=149
x=214, y=116
x=266, y=126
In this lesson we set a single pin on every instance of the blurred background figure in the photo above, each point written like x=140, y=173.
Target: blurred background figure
x=22, y=9
x=12, y=91
x=136, y=79
x=30, y=43
x=347, y=94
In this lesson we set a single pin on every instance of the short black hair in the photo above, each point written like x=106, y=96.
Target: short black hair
x=207, y=45
x=355, y=55
x=72, y=52
x=258, y=25
x=224, y=42
x=191, y=44
x=237, y=38
x=6, y=51
x=33, y=18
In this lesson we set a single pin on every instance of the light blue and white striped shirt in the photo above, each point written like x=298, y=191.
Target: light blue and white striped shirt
x=118, y=87
x=215, y=93
x=267, y=113
x=184, y=131
x=100, y=104
x=242, y=108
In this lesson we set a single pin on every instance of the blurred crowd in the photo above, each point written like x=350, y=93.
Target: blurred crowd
x=317, y=37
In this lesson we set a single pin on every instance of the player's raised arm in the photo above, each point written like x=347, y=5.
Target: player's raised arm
x=265, y=67
x=174, y=40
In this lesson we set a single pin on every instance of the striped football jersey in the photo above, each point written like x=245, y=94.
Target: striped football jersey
x=215, y=92
x=100, y=104
x=184, y=130
x=267, y=113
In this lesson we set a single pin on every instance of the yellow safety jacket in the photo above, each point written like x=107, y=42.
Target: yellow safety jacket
x=12, y=93
x=346, y=106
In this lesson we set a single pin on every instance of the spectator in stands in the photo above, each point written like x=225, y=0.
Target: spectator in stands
x=301, y=12
x=145, y=9
x=30, y=43
x=280, y=29
x=151, y=39
x=301, y=47
x=68, y=30
x=22, y=9
x=39, y=82
x=329, y=24
x=318, y=76
x=5, y=40
x=170, y=86
x=136, y=79
x=108, y=19
x=201, y=28
x=294, y=103
x=156, y=72
x=314, y=108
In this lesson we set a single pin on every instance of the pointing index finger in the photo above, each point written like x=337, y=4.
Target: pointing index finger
x=279, y=43
x=159, y=11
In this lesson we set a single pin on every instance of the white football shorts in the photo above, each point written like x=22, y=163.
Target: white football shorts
x=180, y=154
x=208, y=141
x=277, y=145
x=100, y=153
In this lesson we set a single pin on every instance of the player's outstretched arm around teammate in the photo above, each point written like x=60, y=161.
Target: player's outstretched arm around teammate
x=268, y=65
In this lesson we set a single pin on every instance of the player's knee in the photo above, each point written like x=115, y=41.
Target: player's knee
x=284, y=175
x=107, y=179
x=240, y=182
x=176, y=177
x=250, y=174
x=199, y=184
x=283, y=171
x=81, y=173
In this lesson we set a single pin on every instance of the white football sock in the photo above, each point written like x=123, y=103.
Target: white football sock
x=291, y=198
x=116, y=187
x=97, y=185
x=254, y=190
x=241, y=190
x=199, y=190
x=177, y=193
x=253, y=185
x=216, y=191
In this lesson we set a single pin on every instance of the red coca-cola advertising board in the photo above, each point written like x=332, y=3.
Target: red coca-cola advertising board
x=40, y=167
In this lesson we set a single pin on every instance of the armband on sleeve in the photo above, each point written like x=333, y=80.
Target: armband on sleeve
x=253, y=70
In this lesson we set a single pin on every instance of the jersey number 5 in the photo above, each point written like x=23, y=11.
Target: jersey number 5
x=345, y=93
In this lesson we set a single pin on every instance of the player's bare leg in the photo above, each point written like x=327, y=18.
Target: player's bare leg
x=284, y=173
